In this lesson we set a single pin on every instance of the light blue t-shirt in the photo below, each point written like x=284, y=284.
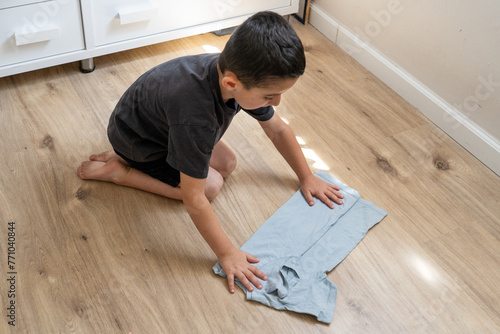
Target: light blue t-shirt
x=299, y=244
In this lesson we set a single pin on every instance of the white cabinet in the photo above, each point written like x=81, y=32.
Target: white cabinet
x=118, y=20
x=39, y=30
x=40, y=33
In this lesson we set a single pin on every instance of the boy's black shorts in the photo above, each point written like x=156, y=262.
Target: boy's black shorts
x=159, y=169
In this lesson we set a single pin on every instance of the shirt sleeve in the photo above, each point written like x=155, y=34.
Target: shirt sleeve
x=261, y=114
x=190, y=149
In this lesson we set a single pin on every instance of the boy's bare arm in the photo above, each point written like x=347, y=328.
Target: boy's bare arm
x=286, y=143
x=235, y=262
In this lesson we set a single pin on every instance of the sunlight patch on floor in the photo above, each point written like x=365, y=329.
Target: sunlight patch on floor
x=426, y=271
x=211, y=49
x=311, y=155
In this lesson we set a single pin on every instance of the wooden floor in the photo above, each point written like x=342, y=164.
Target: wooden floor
x=92, y=257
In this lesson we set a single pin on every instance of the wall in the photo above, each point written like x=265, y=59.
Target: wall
x=442, y=56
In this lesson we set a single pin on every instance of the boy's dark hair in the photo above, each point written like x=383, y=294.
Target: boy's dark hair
x=263, y=48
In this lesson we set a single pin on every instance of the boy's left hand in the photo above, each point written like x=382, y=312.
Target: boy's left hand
x=326, y=192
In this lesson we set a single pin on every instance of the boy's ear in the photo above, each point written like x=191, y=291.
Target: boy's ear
x=229, y=80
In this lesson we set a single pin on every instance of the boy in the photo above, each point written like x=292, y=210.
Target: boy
x=165, y=129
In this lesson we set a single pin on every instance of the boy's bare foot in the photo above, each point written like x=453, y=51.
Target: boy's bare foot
x=113, y=170
x=106, y=156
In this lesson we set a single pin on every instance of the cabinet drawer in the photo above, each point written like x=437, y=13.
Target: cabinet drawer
x=40, y=30
x=15, y=3
x=118, y=20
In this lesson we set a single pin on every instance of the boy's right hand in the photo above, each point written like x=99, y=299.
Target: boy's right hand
x=237, y=264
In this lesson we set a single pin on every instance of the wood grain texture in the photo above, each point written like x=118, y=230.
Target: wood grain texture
x=94, y=257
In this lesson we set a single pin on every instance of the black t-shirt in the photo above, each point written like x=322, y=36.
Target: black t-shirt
x=175, y=109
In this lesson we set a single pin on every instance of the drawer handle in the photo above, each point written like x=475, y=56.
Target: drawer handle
x=127, y=17
x=35, y=37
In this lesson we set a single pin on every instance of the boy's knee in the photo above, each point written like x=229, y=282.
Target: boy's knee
x=229, y=167
x=213, y=185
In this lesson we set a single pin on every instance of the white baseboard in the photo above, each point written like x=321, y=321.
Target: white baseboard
x=472, y=137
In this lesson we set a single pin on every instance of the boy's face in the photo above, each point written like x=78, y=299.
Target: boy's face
x=257, y=97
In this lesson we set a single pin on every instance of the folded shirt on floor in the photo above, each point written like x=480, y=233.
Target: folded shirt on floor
x=299, y=244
